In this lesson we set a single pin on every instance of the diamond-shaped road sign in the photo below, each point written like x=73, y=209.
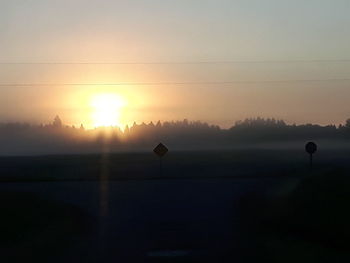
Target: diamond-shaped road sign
x=160, y=150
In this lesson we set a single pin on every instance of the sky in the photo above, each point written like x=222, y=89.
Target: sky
x=274, y=58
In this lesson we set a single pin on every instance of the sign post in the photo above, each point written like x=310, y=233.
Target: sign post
x=160, y=150
x=311, y=148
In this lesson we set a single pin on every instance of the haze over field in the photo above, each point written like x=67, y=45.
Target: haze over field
x=214, y=61
x=59, y=138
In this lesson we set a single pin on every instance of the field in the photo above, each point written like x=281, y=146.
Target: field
x=130, y=166
x=217, y=206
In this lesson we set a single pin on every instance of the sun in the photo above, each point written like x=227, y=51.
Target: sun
x=107, y=109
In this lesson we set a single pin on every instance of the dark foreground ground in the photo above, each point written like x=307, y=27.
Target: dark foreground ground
x=233, y=206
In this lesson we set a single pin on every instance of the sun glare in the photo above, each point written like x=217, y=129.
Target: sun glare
x=107, y=109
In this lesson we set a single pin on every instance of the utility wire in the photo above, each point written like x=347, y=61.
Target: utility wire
x=172, y=83
x=183, y=62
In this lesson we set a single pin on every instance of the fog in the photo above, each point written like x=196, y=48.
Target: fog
x=58, y=138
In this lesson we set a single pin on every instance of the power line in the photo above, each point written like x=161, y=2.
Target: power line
x=182, y=62
x=171, y=83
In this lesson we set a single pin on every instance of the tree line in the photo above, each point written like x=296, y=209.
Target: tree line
x=56, y=137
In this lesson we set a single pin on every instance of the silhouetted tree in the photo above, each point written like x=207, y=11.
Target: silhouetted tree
x=57, y=123
x=347, y=123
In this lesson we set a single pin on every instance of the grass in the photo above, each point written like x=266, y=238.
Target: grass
x=33, y=229
x=304, y=219
x=123, y=166
x=310, y=223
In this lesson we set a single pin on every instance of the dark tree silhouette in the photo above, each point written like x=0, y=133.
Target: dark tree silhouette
x=57, y=137
x=57, y=122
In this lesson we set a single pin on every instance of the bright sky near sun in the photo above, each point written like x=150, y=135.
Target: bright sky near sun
x=276, y=45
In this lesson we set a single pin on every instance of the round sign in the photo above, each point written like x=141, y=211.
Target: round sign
x=311, y=147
